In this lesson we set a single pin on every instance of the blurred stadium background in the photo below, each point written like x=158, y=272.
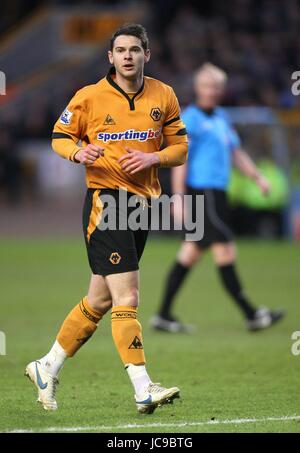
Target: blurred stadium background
x=48, y=50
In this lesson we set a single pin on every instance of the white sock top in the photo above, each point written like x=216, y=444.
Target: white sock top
x=54, y=360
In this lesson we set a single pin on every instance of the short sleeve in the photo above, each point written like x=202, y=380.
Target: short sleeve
x=234, y=139
x=189, y=121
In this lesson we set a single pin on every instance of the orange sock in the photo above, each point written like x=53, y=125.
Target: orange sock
x=78, y=327
x=127, y=335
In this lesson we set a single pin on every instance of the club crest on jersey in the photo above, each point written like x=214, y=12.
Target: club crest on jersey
x=130, y=134
x=66, y=116
x=156, y=114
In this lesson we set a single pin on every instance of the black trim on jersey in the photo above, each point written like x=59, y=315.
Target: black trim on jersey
x=117, y=87
x=61, y=135
x=177, y=118
x=182, y=131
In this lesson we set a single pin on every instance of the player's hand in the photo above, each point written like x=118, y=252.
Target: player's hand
x=263, y=184
x=89, y=154
x=135, y=161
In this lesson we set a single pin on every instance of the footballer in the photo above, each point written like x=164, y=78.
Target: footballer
x=115, y=128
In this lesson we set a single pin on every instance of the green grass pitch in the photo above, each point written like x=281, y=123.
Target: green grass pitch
x=225, y=374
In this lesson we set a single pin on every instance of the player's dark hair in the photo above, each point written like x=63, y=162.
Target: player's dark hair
x=136, y=30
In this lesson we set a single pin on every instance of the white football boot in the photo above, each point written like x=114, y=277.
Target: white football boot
x=45, y=383
x=155, y=396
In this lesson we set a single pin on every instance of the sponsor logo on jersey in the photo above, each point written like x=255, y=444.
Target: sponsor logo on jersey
x=66, y=116
x=130, y=134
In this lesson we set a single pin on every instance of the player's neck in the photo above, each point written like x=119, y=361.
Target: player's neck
x=206, y=108
x=129, y=86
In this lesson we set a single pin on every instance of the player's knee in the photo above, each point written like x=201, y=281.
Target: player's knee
x=233, y=252
x=230, y=253
x=99, y=304
x=189, y=254
x=224, y=254
x=129, y=298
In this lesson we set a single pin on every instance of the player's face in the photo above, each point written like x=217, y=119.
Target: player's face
x=128, y=56
x=209, y=90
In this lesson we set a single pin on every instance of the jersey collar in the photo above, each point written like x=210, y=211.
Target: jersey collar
x=111, y=81
x=209, y=112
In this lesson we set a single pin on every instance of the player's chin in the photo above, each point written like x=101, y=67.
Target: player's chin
x=129, y=73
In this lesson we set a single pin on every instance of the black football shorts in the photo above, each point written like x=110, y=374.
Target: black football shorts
x=216, y=216
x=114, y=246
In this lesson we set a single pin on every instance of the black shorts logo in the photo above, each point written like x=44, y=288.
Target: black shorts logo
x=115, y=258
x=156, y=114
x=136, y=344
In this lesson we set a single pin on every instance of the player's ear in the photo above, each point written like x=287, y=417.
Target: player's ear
x=110, y=57
x=147, y=55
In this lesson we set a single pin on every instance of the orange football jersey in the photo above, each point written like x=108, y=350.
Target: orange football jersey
x=105, y=115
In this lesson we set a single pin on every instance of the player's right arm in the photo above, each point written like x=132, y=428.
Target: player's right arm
x=70, y=128
x=178, y=177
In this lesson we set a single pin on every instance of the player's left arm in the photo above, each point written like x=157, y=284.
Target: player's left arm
x=175, y=136
x=246, y=165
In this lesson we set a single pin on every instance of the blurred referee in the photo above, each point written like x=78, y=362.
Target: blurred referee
x=213, y=146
